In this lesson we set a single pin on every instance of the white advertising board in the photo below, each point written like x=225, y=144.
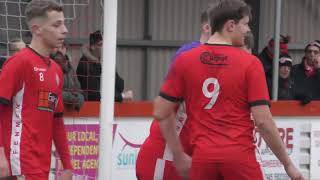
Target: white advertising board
x=315, y=151
x=128, y=138
x=290, y=134
x=130, y=132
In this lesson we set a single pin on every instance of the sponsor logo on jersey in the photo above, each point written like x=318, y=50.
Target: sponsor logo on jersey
x=36, y=69
x=213, y=59
x=47, y=101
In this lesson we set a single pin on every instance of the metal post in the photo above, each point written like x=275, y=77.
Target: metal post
x=275, y=73
x=146, y=36
x=107, y=89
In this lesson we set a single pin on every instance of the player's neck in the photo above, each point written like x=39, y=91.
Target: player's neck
x=219, y=38
x=40, y=47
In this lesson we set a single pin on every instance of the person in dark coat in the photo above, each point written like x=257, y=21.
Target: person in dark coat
x=285, y=84
x=72, y=94
x=89, y=72
x=306, y=75
x=121, y=95
x=266, y=58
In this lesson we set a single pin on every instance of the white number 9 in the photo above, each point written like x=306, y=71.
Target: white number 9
x=213, y=94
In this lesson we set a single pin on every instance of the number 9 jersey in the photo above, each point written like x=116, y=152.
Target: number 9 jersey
x=219, y=84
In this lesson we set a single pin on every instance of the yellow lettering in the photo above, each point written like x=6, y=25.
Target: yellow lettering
x=75, y=164
x=71, y=136
x=83, y=150
x=90, y=164
x=87, y=136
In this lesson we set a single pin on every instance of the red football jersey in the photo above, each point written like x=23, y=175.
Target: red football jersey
x=31, y=90
x=156, y=139
x=154, y=160
x=219, y=84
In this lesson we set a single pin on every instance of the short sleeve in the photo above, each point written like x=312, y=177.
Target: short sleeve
x=257, y=85
x=172, y=87
x=11, y=79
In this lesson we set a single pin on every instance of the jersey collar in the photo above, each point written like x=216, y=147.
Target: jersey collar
x=46, y=60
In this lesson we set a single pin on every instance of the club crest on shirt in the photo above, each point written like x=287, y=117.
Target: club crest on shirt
x=47, y=101
x=213, y=59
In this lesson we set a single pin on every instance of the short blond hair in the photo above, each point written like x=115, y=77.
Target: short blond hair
x=39, y=9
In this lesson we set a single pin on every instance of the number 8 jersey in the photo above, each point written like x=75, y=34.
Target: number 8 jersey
x=31, y=88
x=219, y=84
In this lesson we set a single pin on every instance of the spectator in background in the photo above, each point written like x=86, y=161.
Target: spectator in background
x=89, y=68
x=266, y=57
x=119, y=94
x=72, y=95
x=306, y=77
x=63, y=50
x=16, y=45
x=285, y=87
x=89, y=72
x=317, y=63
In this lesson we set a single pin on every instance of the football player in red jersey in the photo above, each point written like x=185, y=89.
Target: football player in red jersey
x=31, y=105
x=155, y=158
x=221, y=85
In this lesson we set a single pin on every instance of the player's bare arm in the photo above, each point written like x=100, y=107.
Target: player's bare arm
x=4, y=166
x=269, y=132
x=66, y=175
x=164, y=112
x=60, y=141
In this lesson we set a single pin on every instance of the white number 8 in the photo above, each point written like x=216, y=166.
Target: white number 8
x=41, y=76
x=213, y=94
